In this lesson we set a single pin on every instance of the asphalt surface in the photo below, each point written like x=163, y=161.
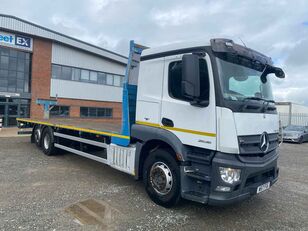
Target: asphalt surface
x=69, y=192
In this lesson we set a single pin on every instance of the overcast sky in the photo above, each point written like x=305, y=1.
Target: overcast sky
x=276, y=28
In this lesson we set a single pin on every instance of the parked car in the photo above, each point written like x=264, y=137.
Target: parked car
x=295, y=133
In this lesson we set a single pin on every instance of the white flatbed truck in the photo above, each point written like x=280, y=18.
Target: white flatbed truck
x=198, y=122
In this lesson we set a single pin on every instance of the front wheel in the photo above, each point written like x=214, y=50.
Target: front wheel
x=161, y=175
x=300, y=140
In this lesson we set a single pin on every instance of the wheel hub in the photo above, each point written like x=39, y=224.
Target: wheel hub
x=161, y=178
x=46, y=141
x=37, y=135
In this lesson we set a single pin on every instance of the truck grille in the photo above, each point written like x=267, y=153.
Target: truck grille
x=250, y=145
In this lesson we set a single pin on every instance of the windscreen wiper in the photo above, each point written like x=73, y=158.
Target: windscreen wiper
x=258, y=99
x=264, y=107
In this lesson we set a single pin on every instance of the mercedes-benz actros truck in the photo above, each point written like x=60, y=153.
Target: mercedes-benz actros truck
x=198, y=122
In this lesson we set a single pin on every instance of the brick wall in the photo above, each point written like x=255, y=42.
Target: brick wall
x=40, y=86
x=41, y=74
x=76, y=104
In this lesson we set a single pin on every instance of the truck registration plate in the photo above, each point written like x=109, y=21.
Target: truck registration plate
x=263, y=187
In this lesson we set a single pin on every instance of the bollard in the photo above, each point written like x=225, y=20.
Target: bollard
x=0, y=124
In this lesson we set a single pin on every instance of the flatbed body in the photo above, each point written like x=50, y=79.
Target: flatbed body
x=112, y=128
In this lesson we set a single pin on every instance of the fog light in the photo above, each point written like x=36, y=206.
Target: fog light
x=230, y=175
x=223, y=189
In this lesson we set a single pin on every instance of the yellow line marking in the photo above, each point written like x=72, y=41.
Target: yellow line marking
x=176, y=129
x=73, y=128
x=148, y=124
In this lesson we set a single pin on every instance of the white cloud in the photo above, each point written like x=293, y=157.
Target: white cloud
x=277, y=28
x=62, y=21
x=176, y=17
x=98, y=5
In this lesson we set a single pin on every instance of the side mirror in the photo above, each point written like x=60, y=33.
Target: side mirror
x=190, y=76
x=279, y=73
x=270, y=69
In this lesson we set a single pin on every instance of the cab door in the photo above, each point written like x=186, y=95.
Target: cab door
x=193, y=125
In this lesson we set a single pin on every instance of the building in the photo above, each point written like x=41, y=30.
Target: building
x=38, y=63
x=292, y=113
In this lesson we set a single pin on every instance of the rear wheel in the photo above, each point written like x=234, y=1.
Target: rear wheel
x=48, y=146
x=37, y=135
x=161, y=175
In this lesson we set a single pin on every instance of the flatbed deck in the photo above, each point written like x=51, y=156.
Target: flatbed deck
x=111, y=128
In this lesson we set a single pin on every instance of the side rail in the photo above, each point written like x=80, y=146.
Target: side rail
x=91, y=145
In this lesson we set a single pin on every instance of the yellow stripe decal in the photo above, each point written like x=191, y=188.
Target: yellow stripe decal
x=73, y=128
x=177, y=129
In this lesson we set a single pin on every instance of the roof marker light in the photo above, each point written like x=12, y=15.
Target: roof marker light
x=229, y=44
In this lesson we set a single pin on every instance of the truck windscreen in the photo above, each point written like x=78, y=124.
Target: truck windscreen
x=240, y=82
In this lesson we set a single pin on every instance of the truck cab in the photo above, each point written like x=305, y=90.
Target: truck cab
x=210, y=106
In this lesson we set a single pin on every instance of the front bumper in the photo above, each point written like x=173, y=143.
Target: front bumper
x=253, y=174
x=291, y=139
x=201, y=185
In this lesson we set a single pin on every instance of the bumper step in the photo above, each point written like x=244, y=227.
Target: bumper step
x=195, y=196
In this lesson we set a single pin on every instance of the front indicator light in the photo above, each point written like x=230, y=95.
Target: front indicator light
x=230, y=175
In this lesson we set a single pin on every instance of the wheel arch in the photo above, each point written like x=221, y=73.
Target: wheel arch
x=151, y=138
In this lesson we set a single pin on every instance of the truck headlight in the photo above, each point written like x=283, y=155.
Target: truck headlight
x=230, y=175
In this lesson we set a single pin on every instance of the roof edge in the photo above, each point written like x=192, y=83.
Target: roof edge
x=58, y=33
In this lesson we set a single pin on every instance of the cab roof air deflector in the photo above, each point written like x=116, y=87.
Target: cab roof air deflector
x=221, y=45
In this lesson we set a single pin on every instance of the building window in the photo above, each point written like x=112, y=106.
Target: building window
x=76, y=74
x=60, y=111
x=66, y=73
x=102, y=78
x=56, y=71
x=82, y=75
x=15, y=71
x=93, y=76
x=117, y=80
x=109, y=79
x=93, y=112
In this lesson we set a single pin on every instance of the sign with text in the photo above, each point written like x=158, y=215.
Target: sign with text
x=16, y=41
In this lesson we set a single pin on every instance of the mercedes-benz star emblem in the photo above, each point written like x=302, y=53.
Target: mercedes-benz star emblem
x=264, y=142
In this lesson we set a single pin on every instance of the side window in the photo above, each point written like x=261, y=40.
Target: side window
x=175, y=80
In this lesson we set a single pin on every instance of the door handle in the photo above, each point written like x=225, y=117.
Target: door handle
x=167, y=122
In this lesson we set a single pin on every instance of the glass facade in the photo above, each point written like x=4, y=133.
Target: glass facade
x=15, y=78
x=10, y=109
x=83, y=75
x=15, y=70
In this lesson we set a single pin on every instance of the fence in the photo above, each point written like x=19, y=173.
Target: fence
x=294, y=119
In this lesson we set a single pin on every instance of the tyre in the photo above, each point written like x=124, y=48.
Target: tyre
x=300, y=140
x=37, y=136
x=48, y=142
x=161, y=176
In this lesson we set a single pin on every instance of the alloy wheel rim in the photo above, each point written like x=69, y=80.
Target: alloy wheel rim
x=46, y=141
x=161, y=178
